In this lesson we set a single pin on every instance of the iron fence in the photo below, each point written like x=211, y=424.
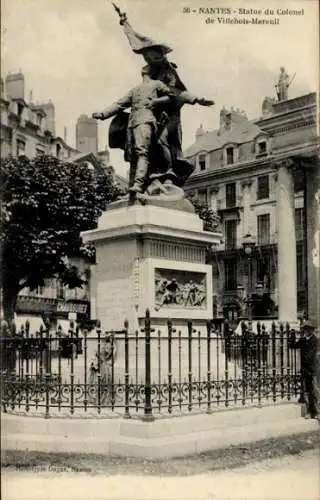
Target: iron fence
x=147, y=372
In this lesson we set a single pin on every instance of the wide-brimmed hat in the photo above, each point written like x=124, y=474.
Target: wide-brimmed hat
x=307, y=325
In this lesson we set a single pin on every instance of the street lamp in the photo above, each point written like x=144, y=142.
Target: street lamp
x=249, y=244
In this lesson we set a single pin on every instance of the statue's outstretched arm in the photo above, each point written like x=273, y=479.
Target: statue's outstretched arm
x=186, y=97
x=115, y=108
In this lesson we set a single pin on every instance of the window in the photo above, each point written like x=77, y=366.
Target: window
x=203, y=195
x=300, y=272
x=231, y=195
x=202, y=162
x=230, y=274
x=60, y=290
x=263, y=223
x=214, y=201
x=299, y=223
x=21, y=146
x=58, y=150
x=20, y=108
x=263, y=187
x=230, y=227
x=230, y=155
x=263, y=270
x=261, y=148
x=40, y=291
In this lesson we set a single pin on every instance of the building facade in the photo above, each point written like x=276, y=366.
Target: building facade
x=28, y=129
x=238, y=172
x=87, y=134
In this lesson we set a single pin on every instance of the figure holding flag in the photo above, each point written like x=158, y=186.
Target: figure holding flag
x=166, y=163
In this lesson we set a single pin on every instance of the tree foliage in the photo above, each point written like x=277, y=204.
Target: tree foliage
x=45, y=204
x=210, y=218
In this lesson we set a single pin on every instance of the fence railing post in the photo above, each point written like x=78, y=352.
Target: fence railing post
x=126, y=370
x=169, y=366
x=85, y=361
x=147, y=416
x=47, y=373
x=274, y=362
x=289, y=364
x=282, y=376
x=226, y=343
x=208, y=367
x=190, y=330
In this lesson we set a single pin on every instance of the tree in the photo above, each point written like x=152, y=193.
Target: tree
x=210, y=218
x=45, y=204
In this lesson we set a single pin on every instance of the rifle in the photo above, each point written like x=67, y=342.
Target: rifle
x=291, y=79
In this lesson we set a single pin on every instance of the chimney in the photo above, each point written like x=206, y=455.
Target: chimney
x=225, y=119
x=267, y=106
x=200, y=132
x=30, y=96
x=49, y=109
x=231, y=117
x=65, y=134
x=15, y=85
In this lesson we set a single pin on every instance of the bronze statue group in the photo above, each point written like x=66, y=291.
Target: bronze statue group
x=150, y=135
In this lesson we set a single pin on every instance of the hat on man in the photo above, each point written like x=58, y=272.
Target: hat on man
x=118, y=130
x=307, y=325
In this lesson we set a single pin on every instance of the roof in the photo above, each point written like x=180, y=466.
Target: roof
x=82, y=157
x=65, y=145
x=238, y=134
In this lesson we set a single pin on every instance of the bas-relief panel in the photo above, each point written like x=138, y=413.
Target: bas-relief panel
x=180, y=289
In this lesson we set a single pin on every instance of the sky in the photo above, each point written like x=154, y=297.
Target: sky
x=75, y=53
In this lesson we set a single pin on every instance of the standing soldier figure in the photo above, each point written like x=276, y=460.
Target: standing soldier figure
x=308, y=345
x=283, y=85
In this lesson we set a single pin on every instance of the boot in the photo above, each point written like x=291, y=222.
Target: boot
x=141, y=173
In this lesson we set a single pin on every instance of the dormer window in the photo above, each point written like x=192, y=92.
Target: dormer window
x=230, y=155
x=261, y=147
x=202, y=162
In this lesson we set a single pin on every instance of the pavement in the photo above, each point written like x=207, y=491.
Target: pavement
x=167, y=437
x=286, y=478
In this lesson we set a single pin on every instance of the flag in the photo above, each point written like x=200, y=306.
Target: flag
x=140, y=42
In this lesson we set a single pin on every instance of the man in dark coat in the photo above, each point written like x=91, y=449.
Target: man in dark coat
x=309, y=345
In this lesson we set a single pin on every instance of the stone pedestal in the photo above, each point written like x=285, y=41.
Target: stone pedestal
x=144, y=251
